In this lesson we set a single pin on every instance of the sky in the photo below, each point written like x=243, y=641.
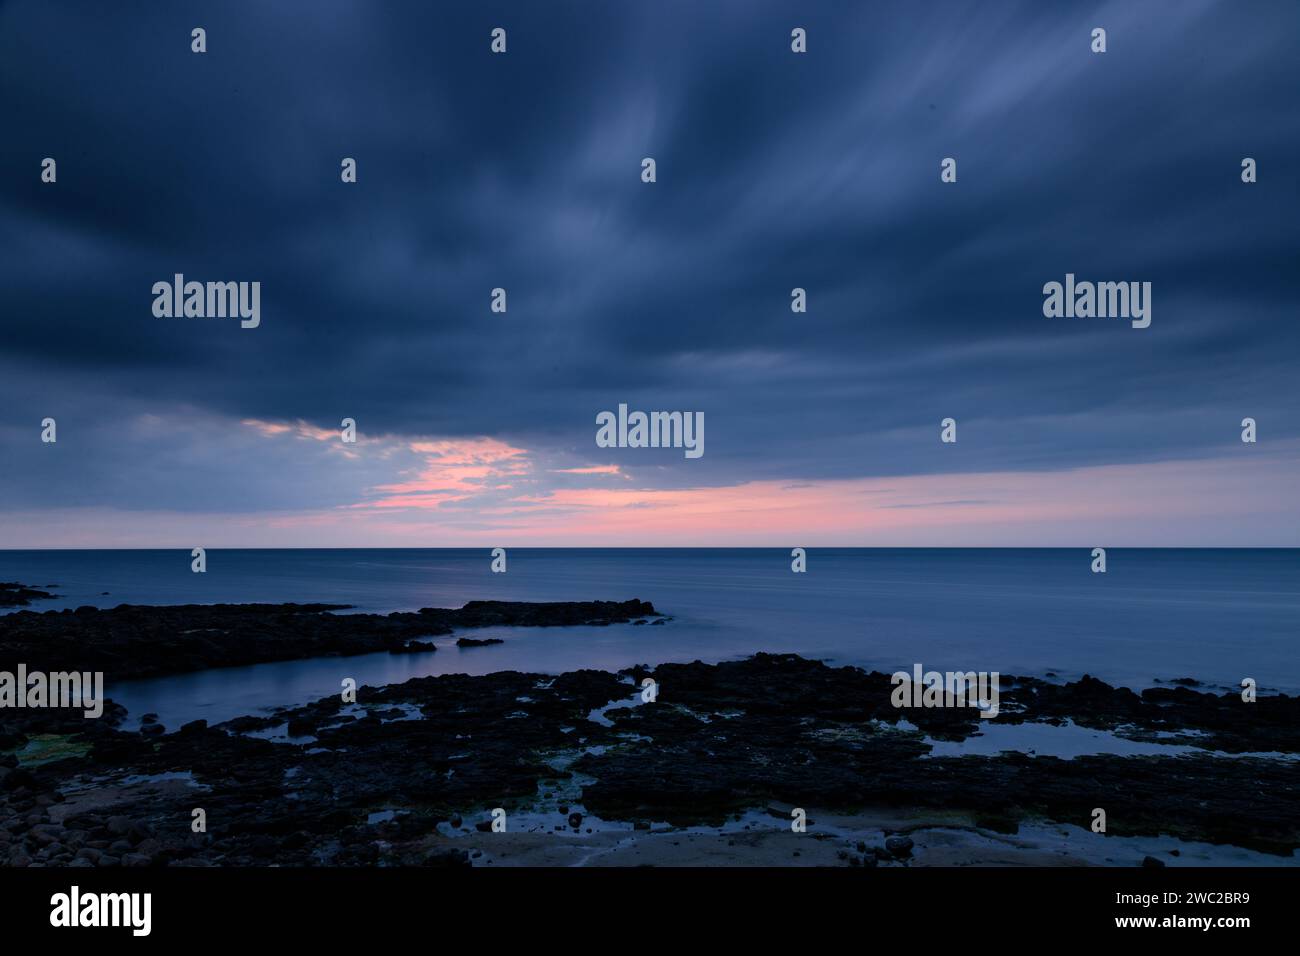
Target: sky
x=523, y=171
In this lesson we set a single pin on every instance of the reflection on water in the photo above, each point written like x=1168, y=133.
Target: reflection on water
x=1215, y=615
x=225, y=692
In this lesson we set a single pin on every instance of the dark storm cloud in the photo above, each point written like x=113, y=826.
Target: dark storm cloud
x=775, y=171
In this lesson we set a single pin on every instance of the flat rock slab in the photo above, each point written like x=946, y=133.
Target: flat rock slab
x=135, y=641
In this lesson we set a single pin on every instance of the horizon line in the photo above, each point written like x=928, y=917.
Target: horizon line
x=702, y=547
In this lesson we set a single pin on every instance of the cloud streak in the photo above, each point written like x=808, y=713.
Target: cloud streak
x=775, y=171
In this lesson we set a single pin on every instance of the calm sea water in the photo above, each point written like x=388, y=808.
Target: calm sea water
x=1216, y=615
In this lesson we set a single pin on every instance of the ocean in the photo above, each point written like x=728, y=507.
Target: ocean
x=1155, y=615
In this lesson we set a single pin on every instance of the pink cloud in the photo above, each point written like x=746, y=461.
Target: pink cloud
x=453, y=470
x=299, y=429
x=473, y=491
x=593, y=470
x=1167, y=503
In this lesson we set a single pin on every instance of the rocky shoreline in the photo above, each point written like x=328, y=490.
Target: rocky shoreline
x=13, y=594
x=135, y=641
x=410, y=773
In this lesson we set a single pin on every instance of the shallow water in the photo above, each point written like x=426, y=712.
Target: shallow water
x=1216, y=615
x=1068, y=740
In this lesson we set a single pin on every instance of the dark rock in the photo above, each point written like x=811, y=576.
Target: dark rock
x=139, y=831
x=131, y=641
x=17, y=779
x=13, y=594
x=302, y=727
x=414, y=647
x=771, y=730
x=898, y=846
